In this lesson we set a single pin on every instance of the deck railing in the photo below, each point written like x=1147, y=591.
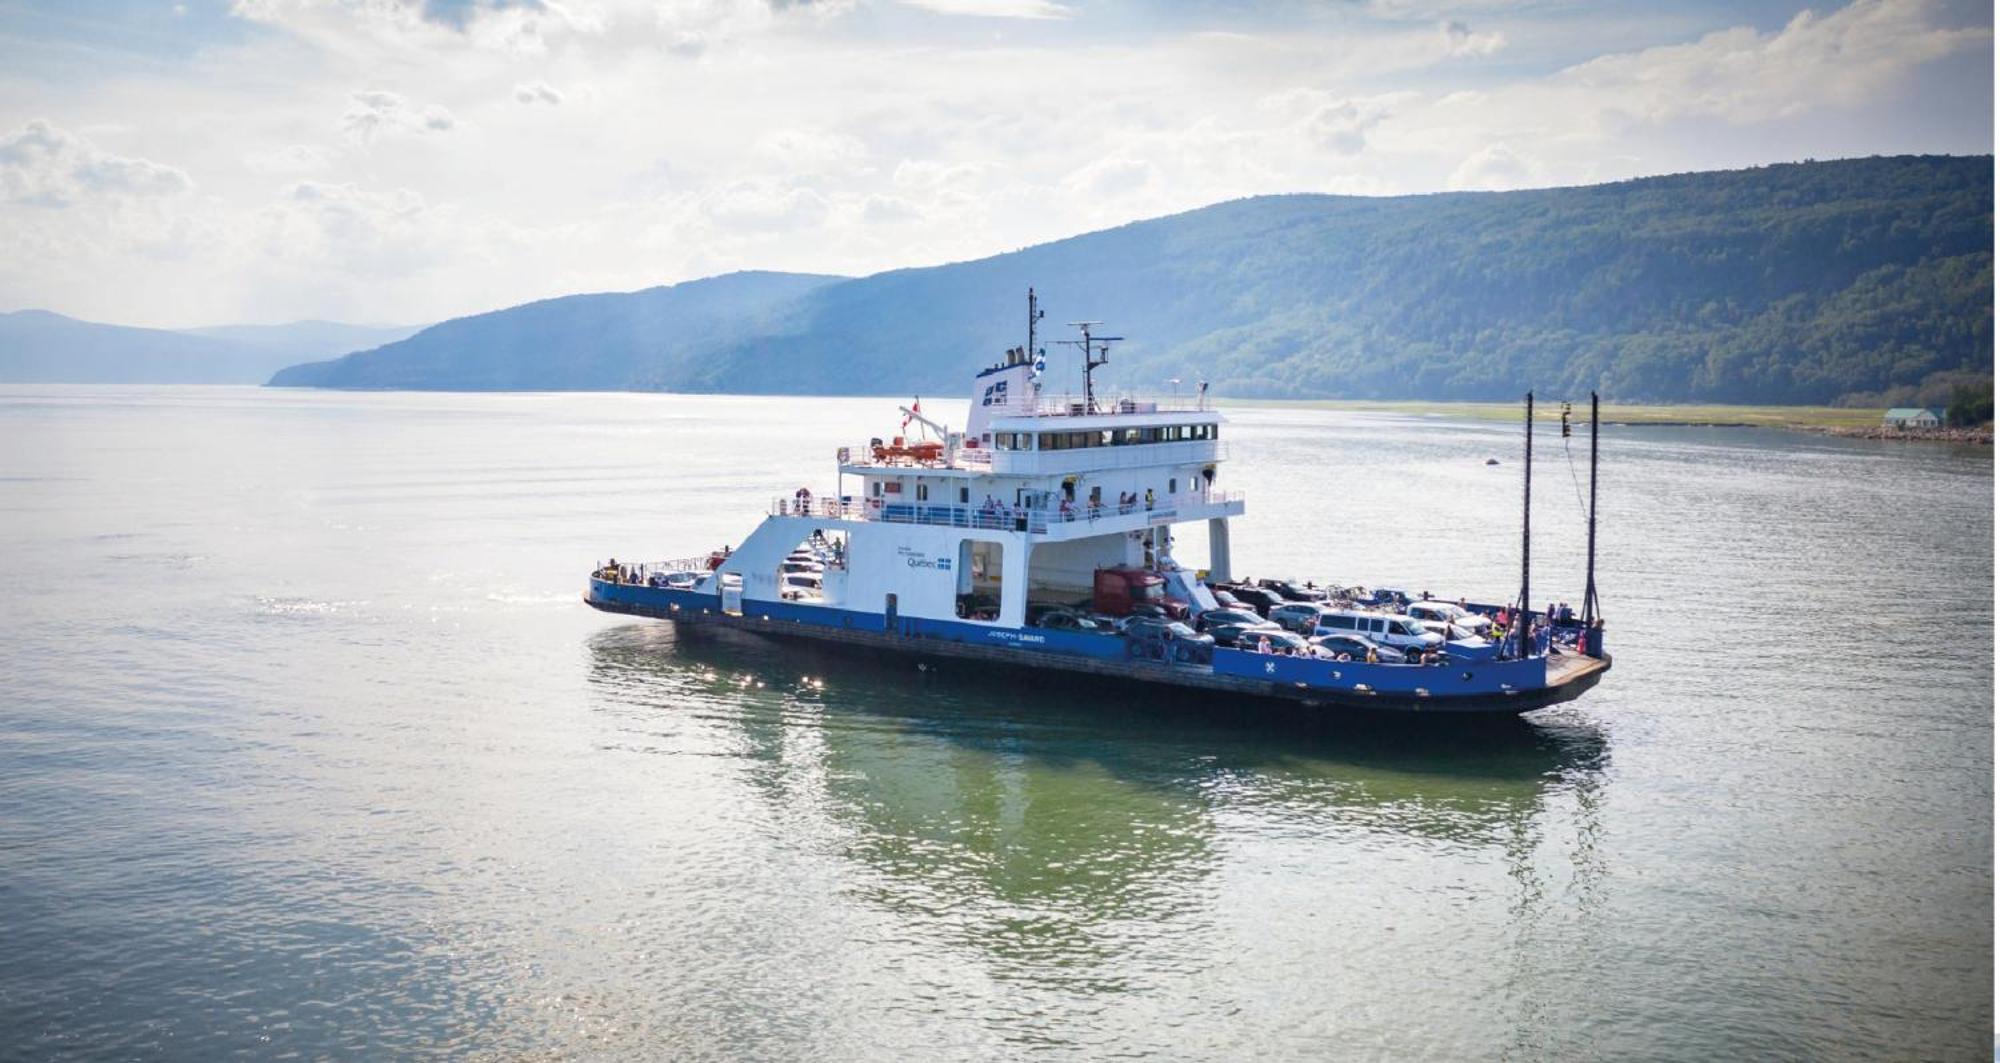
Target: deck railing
x=1001, y=518
x=644, y=571
x=1031, y=462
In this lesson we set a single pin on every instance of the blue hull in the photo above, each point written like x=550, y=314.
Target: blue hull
x=1460, y=686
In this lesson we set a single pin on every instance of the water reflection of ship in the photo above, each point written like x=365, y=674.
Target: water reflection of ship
x=1040, y=833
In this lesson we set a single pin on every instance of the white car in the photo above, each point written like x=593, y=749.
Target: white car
x=1447, y=613
x=1454, y=634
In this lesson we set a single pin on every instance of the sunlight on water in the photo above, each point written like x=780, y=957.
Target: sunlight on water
x=308, y=747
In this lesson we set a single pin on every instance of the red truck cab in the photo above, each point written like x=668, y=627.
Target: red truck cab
x=1116, y=590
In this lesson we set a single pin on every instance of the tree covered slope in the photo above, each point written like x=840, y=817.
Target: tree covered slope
x=1783, y=284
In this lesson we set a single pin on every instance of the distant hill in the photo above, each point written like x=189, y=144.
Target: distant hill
x=40, y=347
x=1798, y=283
x=300, y=340
x=655, y=338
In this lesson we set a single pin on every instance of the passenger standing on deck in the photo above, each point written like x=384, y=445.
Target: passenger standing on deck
x=1149, y=499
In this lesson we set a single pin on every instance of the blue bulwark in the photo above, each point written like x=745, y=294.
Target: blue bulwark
x=1440, y=680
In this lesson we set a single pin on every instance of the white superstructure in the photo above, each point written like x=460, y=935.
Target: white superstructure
x=1025, y=504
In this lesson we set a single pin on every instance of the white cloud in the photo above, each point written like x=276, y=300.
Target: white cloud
x=859, y=135
x=1111, y=177
x=1459, y=40
x=1342, y=127
x=42, y=165
x=1741, y=75
x=291, y=159
x=1037, y=9
x=371, y=113
x=538, y=92
x=888, y=210
x=812, y=150
x=764, y=205
x=1493, y=168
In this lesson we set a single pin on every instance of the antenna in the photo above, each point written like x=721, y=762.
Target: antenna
x=1034, y=315
x=1096, y=352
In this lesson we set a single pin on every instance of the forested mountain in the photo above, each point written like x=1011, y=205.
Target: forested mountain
x=1783, y=284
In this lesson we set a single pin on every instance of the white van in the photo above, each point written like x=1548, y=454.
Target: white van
x=1402, y=632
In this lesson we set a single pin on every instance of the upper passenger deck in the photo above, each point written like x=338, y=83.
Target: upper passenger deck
x=1018, y=426
x=1059, y=436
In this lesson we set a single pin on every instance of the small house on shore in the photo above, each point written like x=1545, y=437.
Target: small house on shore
x=1914, y=417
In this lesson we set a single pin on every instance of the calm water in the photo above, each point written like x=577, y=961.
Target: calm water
x=308, y=748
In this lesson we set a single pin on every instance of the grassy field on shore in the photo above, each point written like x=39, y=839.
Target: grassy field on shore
x=1758, y=416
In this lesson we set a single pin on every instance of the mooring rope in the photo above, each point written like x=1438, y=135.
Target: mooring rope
x=1581, y=509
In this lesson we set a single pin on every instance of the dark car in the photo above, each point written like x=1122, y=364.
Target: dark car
x=1233, y=634
x=1168, y=640
x=1293, y=591
x=1225, y=616
x=1040, y=611
x=1068, y=621
x=1356, y=648
x=1301, y=617
x=1224, y=598
x=1258, y=598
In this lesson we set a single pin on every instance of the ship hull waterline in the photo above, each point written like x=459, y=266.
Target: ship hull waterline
x=1579, y=674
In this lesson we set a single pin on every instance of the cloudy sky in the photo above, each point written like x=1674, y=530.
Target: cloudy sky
x=401, y=161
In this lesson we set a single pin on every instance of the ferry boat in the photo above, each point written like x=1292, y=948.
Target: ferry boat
x=1008, y=541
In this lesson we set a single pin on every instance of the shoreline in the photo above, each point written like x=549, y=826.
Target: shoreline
x=1839, y=421
x=1968, y=436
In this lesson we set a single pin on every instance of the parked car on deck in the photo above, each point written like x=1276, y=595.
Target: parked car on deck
x=1226, y=616
x=1070, y=621
x=1258, y=598
x=1293, y=591
x=1278, y=640
x=1233, y=634
x=1168, y=640
x=1357, y=648
x=1448, y=613
x=1301, y=617
x=1452, y=632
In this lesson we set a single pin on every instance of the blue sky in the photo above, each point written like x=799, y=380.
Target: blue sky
x=206, y=161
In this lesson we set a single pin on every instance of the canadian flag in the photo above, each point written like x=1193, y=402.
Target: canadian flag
x=916, y=407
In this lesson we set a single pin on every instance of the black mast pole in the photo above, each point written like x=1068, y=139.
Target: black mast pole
x=1032, y=315
x=1590, y=563
x=1527, y=498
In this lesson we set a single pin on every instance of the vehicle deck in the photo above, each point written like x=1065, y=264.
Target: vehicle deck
x=1569, y=674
